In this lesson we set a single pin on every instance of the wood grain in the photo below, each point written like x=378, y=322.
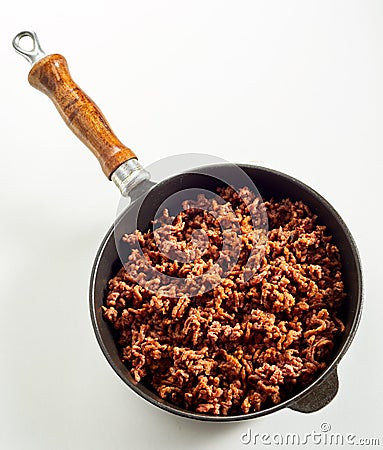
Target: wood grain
x=51, y=76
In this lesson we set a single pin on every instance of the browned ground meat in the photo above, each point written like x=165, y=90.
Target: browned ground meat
x=242, y=346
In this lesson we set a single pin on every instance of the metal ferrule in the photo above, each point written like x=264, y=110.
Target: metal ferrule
x=129, y=175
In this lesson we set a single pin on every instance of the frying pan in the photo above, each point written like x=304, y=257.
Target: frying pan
x=50, y=75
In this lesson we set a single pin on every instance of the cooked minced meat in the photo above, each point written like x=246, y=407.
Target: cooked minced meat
x=241, y=346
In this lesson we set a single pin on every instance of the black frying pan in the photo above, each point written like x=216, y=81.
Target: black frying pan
x=50, y=75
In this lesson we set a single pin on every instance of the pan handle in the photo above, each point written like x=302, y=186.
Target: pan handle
x=320, y=396
x=50, y=75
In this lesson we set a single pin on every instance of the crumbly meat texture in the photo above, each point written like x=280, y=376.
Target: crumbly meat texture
x=242, y=346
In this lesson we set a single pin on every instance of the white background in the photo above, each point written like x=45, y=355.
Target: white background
x=294, y=85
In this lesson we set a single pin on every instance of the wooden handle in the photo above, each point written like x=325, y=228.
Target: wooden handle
x=51, y=76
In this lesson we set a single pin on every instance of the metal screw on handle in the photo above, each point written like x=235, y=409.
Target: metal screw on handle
x=32, y=56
